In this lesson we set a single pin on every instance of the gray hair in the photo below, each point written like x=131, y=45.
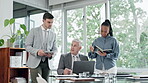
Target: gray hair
x=77, y=40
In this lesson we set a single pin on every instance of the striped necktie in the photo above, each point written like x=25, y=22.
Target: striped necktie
x=75, y=58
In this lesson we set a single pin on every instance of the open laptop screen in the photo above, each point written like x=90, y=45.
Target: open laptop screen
x=83, y=66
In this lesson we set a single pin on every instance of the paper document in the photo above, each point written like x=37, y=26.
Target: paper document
x=66, y=75
x=49, y=52
x=140, y=76
x=97, y=48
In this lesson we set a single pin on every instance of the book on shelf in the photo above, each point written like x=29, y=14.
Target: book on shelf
x=18, y=80
x=97, y=48
x=19, y=60
x=15, y=61
x=24, y=59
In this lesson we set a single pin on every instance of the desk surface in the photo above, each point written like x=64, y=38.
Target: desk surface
x=99, y=80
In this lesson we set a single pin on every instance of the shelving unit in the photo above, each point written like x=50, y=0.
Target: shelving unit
x=7, y=72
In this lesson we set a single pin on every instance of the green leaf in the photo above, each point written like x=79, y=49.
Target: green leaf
x=18, y=32
x=6, y=22
x=23, y=27
x=1, y=42
x=26, y=33
x=13, y=36
x=12, y=39
x=12, y=20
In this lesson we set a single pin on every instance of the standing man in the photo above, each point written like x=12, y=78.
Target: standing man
x=66, y=60
x=41, y=44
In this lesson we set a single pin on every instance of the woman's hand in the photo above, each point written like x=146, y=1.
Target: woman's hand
x=91, y=48
x=102, y=53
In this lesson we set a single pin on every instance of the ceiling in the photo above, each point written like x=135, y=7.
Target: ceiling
x=21, y=10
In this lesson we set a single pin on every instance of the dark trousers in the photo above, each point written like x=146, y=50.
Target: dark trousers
x=42, y=69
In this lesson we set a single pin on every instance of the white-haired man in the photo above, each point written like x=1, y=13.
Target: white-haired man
x=66, y=60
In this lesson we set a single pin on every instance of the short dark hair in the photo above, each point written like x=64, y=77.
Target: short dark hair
x=48, y=16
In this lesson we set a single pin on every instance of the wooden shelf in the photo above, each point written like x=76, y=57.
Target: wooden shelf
x=12, y=48
x=18, y=67
x=7, y=72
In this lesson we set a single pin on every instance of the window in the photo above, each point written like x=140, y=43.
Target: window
x=36, y=20
x=57, y=29
x=19, y=41
x=74, y=26
x=130, y=25
x=19, y=21
x=95, y=16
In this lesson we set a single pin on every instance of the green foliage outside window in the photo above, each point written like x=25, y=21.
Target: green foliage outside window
x=128, y=22
x=130, y=26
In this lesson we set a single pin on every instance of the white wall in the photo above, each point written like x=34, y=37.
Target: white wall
x=6, y=9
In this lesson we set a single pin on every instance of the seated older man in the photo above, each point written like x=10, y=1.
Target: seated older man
x=66, y=60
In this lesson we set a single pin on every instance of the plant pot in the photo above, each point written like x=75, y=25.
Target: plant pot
x=9, y=44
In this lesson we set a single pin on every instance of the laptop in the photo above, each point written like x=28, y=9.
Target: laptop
x=83, y=66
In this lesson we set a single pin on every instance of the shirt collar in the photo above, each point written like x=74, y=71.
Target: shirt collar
x=44, y=28
x=106, y=37
x=75, y=55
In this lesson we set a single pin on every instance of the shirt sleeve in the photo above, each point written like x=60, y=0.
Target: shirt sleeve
x=92, y=54
x=115, y=53
x=61, y=66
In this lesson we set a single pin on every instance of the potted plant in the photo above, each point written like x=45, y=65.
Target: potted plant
x=13, y=36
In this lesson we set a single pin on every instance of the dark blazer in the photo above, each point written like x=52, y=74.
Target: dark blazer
x=66, y=62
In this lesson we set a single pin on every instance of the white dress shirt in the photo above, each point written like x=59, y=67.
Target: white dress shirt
x=43, y=31
x=45, y=34
x=44, y=45
x=75, y=58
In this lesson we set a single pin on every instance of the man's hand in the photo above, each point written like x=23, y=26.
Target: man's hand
x=49, y=54
x=67, y=71
x=41, y=53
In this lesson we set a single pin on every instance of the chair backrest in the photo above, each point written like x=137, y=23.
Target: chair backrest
x=40, y=79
